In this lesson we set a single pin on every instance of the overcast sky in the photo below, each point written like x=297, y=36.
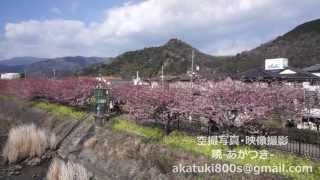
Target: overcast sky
x=55, y=28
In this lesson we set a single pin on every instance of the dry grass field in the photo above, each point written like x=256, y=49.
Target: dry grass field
x=59, y=170
x=27, y=141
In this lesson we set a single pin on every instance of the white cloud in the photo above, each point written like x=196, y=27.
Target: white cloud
x=217, y=27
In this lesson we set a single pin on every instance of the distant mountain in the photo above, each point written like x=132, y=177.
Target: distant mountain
x=4, y=68
x=19, y=61
x=41, y=67
x=175, y=56
x=64, y=66
x=301, y=46
x=7, y=69
x=17, y=64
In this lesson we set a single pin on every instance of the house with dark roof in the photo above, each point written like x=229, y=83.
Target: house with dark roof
x=281, y=75
x=277, y=70
x=314, y=69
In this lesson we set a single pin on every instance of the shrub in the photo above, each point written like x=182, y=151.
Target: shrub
x=27, y=141
x=59, y=170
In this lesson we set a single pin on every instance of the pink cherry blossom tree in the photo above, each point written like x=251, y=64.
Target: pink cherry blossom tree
x=225, y=103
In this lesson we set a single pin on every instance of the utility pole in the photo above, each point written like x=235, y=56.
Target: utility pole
x=192, y=61
x=192, y=65
x=162, y=84
x=192, y=74
x=54, y=73
x=162, y=76
x=25, y=74
x=138, y=79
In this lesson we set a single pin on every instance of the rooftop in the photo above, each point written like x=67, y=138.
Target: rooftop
x=262, y=74
x=312, y=68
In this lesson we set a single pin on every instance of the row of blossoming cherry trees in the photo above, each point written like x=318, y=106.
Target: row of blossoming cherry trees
x=224, y=103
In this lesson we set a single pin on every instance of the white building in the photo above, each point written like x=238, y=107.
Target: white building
x=9, y=76
x=137, y=81
x=275, y=64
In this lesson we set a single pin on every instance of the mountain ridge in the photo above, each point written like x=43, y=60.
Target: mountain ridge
x=62, y=66
x=24, y=60
x=44, y=67
x=301, y=46
x=174, y=55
